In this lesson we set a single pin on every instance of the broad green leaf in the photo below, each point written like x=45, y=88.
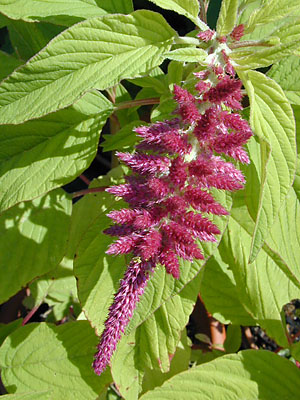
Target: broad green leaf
x=295, y=350
x=175, y=72
x=273, y=10
x=227, y=17
x=284, y=236
x=42, y=356
x=29, y=38
x=179, y=363
x=98, y=274
x=44, y=154
x=296, y=184
x=58, y=290
x=156, y=80
x=269, y=283
x=247, y=375
x=187, y=54
x=282, y=41
x=154, y=343
x=286, y=73
x=271, y=118
x=220, y=294
x=64, y=12
x=96, y=53
x=188, y=8
x=43, y=395
x=33, y=240
x=8, y=63
x=7, y=329
x=233, y=339
x=124, y=139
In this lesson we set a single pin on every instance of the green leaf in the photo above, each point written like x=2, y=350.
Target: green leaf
x=264, y=297
x=295, y=350
x=98, y=274
x=8, y=63
x=247, y=375
x=233, y=339
x=281, y=40
x=220, y=294
x=271, y=11
x=124, y=139
x=57, y=289
x=7, y=329
x=42, y=356
x=65, y=12
x=227, y=17
x=44, y=395
x=29, y=38
x=33, y=240
x=271, y=118
x=188, y=8
x=153, y=344
x=96, y=53
x=44, y=154
x=175, y=73
x=179, y=363
x=187, y=54
x=155, y=80
x=286, y=73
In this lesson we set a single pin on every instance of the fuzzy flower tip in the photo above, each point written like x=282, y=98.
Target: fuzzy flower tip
x=169, y=190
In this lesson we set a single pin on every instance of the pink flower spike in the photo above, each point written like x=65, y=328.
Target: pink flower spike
x=145, y=164
x=132, y=286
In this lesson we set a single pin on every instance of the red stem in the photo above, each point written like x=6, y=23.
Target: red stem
x=30, y=314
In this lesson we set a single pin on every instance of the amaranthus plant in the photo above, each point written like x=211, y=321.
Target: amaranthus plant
x=147, y=175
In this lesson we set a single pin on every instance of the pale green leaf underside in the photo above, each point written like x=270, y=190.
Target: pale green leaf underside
x=42, y=356
x=227, y=17
x=44, y=154
x=33, y=240
x=188, y=54
x=286, y=74
x=247, y=375
x=63, y=12
x=96, y=53
x=272, y=120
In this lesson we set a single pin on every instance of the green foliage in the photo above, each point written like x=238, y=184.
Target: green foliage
x=79, y=75
x=248, y=374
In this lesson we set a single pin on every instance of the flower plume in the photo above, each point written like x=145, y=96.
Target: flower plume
x=174, y=168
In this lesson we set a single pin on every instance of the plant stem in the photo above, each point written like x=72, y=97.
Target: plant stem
x=203, y=11
x=30, y=315
x=136, y=103
x=88, y=191
x=249, y=43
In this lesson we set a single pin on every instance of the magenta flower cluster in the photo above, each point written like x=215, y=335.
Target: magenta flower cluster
x=174, y=167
